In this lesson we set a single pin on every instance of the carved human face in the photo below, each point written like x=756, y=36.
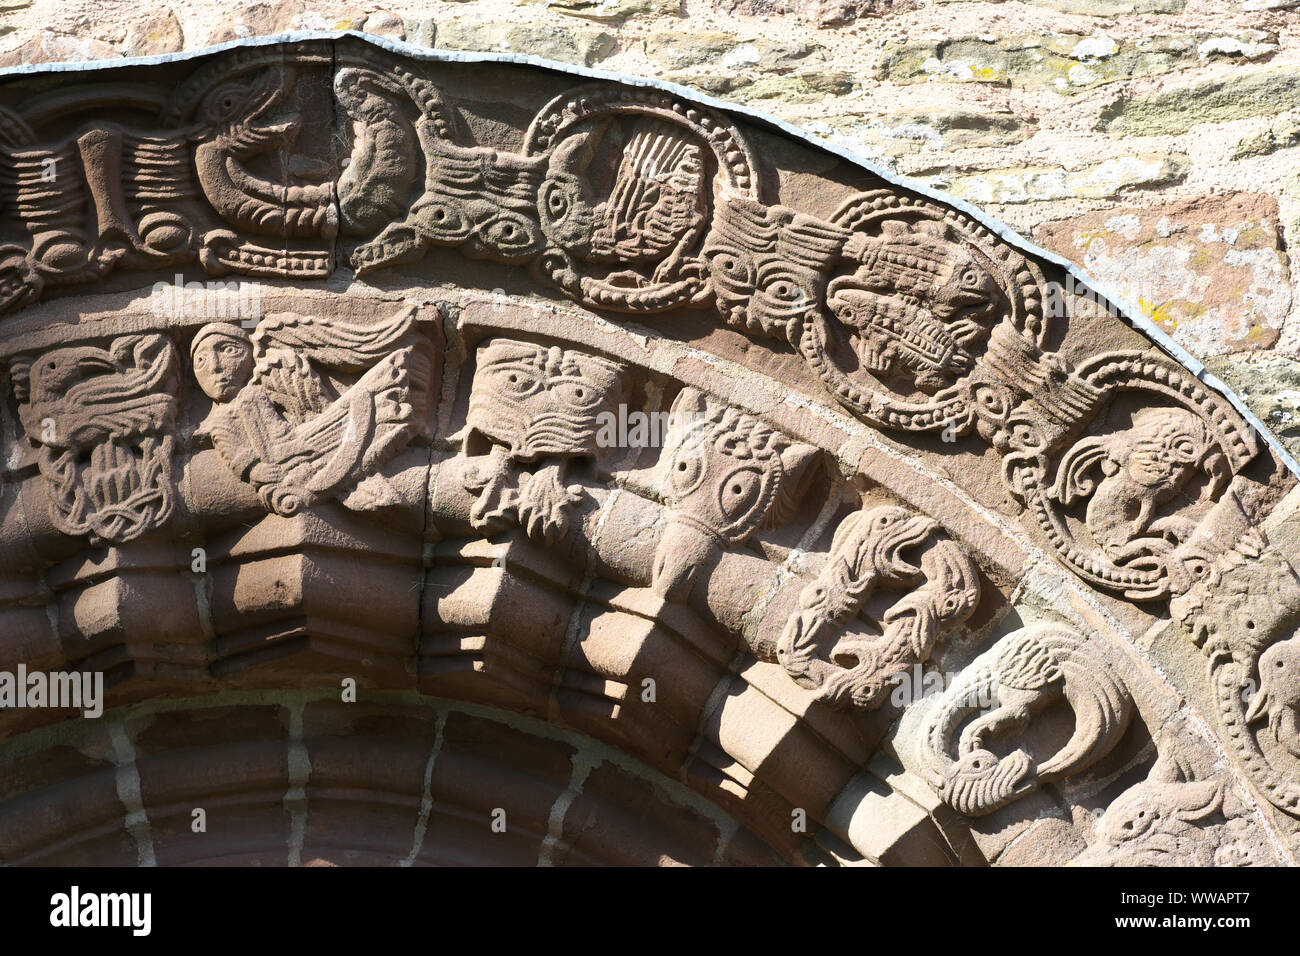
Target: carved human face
x=222, y=365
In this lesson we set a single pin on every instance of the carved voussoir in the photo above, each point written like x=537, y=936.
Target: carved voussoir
x=640, y=424
x=103, y=420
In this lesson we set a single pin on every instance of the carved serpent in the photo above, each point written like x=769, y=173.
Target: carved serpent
x=1026, y=672
x=869, y=550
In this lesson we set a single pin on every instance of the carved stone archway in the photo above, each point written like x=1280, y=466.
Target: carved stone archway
x=469, y=460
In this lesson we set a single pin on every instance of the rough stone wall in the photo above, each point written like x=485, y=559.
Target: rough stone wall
x=1153, y=142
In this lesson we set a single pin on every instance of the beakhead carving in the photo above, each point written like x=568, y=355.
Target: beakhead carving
x=670, y=441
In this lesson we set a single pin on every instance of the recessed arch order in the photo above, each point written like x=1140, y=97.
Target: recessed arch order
x=427, y=448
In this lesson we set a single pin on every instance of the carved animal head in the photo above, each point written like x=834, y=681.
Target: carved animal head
x=1158, y=821
x=655, y=203
x=891, y=333
x=979, y=783
x=1279, y=690
x=482, y=200
x=869, y=548
x=1166, y=445
x=232, y=113
x=79, y=396
x=927, y=262
x=722, y=474
x=540, y=401
x=53, y=375
x=768, y=265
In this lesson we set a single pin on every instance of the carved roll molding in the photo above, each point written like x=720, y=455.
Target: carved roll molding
x=488, y=446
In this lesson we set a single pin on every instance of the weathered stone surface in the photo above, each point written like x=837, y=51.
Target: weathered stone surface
x=1210, y=271
x=922, y=131
x=611, y=11
x=579, y=473
x=1037, y=183
x=49, y=47
x=1242, y=95
x=727, y=54
x=1282, y=134
x=384, y=24
x=1063, y=63
x=1111, y=8
x=160, y=33
x=277, y=16
x=797, y=87
x=566, y=44
x=827, y=13
x=1269, y=384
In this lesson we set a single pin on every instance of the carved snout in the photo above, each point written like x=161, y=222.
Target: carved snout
x=889, y=557
x=681, y=553
x=980, y=782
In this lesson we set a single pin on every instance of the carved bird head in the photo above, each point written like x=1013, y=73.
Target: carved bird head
x=981, y=782
x=55, y=373
x=964, y=288
x=1279, y=683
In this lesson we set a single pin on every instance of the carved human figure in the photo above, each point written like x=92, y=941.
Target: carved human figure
x=277, y=421
x=222, y=357
x=534, y=412
x=1142, y=467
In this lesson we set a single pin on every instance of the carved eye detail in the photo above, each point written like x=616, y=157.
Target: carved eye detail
x=738, y=493
x=685, y=473
x=515, y=382
x=1184, y=449
x=576, y=394
x=558, y=202
x=733, y=266
x=508, y=233
x=785, y=290
x=970, y=279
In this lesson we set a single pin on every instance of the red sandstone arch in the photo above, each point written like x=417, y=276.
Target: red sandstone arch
x=362, y=593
